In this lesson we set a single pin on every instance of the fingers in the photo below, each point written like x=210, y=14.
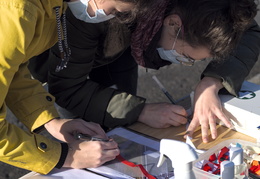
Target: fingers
x=177, y=120
x=176, y=116
x=109, y=145
x=97, y=129
x=162, y=115
x=221, y=116
x=110, y=154
x=206, y=122
x=213, y=129
x=109, y=151
x=91, y=128
x=204, y=131
x=192, y=127
x=89, y=154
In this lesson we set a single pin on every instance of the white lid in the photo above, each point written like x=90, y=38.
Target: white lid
x=236, y=155
x=227, y=170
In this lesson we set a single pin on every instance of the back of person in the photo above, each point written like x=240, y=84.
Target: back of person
x=27, y=29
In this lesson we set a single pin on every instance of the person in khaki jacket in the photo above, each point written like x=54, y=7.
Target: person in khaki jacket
x=176, y=31
x=28, y=28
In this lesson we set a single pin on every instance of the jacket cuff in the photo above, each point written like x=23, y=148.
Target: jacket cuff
x=123, y=109
x=63, y=156
x=231, y=80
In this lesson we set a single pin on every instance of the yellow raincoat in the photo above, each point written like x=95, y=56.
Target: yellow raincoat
x=27, y=28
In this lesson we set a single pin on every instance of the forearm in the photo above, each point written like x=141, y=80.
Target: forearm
x=105, y=106
x=209, y=83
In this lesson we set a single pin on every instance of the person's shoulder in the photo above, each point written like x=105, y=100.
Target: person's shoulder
x=85, y=27
x=32, y=8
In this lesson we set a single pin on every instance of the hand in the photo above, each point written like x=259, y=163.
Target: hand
x=64, y=129
x=90, y=154
x=163, y=115
x=207, y=108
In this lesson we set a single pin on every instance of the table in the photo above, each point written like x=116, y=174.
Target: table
x=175, y=133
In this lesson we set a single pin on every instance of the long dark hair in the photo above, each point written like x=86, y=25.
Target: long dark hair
x=215, y=24
x=141, y=7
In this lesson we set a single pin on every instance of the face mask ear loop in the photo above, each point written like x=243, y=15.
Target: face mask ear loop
x=182, y=35
x=176, y=38
x=182, y=32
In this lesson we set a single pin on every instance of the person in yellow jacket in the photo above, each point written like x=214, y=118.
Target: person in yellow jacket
x=28, y=28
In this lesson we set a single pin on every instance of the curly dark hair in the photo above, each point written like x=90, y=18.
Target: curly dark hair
x=141, y=7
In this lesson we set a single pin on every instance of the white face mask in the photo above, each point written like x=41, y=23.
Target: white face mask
x=169, y=55
x=79, y=10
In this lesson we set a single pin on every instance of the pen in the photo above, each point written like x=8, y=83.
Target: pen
x=87, y=137
x=169, y=96
x=164, y=90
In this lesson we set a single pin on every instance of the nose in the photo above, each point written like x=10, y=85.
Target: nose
x=109, y=11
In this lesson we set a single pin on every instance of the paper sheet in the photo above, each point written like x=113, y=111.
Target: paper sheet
x=64, y=174
x=134, y=147
x=138, y=149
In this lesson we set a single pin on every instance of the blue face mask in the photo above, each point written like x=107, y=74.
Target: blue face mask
x=79, y=10
x=169, y=55
x=173, y=56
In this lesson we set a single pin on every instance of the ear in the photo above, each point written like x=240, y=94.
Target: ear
x=173, y=20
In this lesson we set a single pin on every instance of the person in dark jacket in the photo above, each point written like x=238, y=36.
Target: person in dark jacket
x=178, y=31
x=27, y=29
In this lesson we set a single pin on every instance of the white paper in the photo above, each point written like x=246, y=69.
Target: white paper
x=64, y=174
x=149, y=152
x=137, y=149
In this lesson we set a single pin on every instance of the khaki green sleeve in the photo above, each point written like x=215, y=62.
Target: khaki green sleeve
x=123, y=109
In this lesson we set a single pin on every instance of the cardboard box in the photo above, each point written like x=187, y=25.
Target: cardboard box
x=244, y=111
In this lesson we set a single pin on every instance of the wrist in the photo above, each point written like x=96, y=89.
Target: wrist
x=210, y=82
x=142, y=115
x=68, y=162
x=51, y=121
x=63, y=156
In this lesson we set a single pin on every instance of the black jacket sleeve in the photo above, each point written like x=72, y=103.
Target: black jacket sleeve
x=233, y=70
x=73, y=86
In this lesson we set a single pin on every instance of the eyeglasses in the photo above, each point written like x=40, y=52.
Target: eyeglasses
x=187, y=61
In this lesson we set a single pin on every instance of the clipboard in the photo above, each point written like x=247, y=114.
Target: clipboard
x=136, y=148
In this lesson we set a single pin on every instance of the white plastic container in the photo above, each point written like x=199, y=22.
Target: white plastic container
x=201, y=174
x=244, y=111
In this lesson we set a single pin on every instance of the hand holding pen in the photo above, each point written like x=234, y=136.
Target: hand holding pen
x=85, y=154
x=87, y=137
x=167, y=94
